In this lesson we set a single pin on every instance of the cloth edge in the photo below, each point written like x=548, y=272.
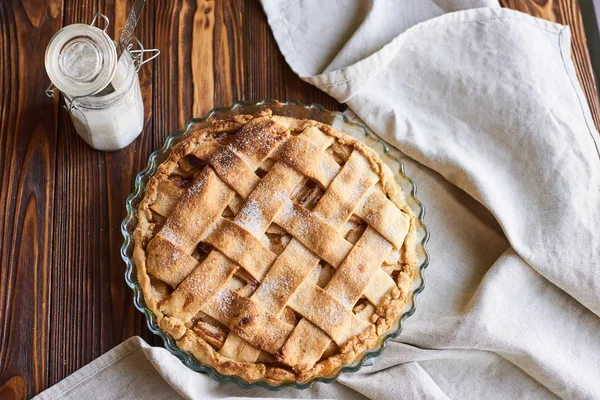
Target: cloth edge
x=344, y=83
x=91, y=369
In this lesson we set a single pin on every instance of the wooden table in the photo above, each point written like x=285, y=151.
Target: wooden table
x=63, y=299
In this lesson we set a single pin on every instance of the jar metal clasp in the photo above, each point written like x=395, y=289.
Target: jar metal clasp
x=138, y=55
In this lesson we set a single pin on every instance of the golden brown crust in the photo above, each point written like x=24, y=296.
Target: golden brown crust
x=195, y=340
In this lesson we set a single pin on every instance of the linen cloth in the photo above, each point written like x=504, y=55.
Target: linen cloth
x=499, y=139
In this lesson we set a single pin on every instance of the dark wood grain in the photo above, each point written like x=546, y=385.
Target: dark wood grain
x=28, y=138
x=567, y=12
x=14, y=388
x=90, y=310
x=63, y=300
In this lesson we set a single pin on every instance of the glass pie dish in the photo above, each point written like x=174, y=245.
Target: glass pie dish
x=300, y=111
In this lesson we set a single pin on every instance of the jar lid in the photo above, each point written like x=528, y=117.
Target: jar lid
x=81, y=60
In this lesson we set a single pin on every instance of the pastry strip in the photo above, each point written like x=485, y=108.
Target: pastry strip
x=232, y=169
x=327, y=313
x=257, y=139
x=385, y=217
x=249, y=320
x=189, y=297
x=242, y=247
x=352, y=278
x=286, y=275
x=167, y=197
x=314, y=233
x=267, y=199
x=310, y=160
x=380, y=284
x=203, y=202
x=172, y=269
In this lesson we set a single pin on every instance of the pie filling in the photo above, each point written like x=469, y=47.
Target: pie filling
x=274, y=248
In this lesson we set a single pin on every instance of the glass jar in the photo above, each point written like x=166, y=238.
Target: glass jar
x=112, y=121
x=101, y=91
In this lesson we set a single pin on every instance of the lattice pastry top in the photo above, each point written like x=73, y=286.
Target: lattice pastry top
x=273, y=248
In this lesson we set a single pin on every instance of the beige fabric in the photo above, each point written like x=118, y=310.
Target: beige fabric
x=125, y=372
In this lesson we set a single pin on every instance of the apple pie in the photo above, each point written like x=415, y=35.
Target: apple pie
x=274, y=248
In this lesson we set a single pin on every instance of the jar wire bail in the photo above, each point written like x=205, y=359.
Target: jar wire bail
x=139, y=53
x=137, y=56
x=104, y=17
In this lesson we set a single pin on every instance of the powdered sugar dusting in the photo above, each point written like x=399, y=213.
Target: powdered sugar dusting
x=331, y=316
x=334, y=220
x=168, y=233
x=251, y=218
x=278, y=286
x=359, y=190
x=202, y=284
x=301, y=226
x=224, y=301
x=345, y=301
x=280, y=196
x=197, y=187
x=287, y=211
x=224, y=160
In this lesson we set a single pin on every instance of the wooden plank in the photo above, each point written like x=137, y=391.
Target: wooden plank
x=91, y=308
x=266, y=72
x=229, y=66
x=216, y=53
x=202, y=58
x=172, y=91
x=567, y=12
x=28, y=121
x=15, y=388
